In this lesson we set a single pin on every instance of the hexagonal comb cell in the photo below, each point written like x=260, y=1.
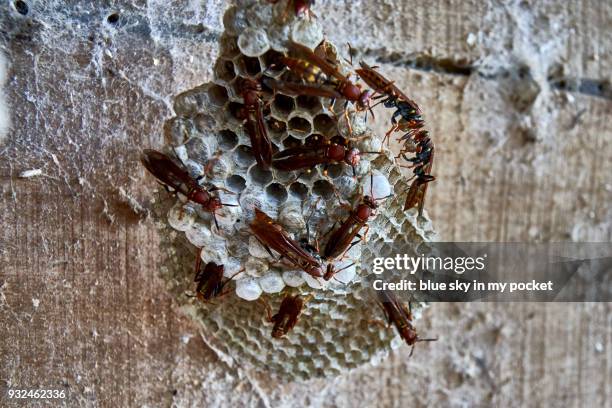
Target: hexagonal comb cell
x=189, y=102
x=324, y=124
x=323, y=188
x=235, y=111
x=229, y=48
x=253, y=42
x=283, y=104
x=299, y=190
x=272, y=65
x=224, y=70
x=203, y=122
x=277, y=127
x=309, y=104
x=299, y=126
x=236, y=183
x=277, y=193
x=177, y=130
x=197, y=149
x=335, y=170
x=259, y=175
x=243, y=157
x=249, y=66
x=227, y=139
x=217, y=95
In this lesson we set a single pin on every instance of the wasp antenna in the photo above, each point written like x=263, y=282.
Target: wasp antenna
x=236, y=274
x=372, y=112
x=298, y=176
x=376, y=104
x=215, y=218
x=350, y=53
x=198, y=262
x=177, y=155
x=346, y=267
x=384, y=198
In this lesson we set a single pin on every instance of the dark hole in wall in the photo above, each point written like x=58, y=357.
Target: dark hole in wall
x=113, y=18
x=21, y=7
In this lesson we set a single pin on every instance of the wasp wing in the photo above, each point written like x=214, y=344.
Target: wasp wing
x=166, y=170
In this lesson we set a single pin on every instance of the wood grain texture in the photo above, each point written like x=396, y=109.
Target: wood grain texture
x=81, y=304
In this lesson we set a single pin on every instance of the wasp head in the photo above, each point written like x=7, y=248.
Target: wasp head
x=214, y=204
x=363, y=102
x=352, y=156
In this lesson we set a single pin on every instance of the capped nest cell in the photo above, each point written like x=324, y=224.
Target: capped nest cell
x=207, y=135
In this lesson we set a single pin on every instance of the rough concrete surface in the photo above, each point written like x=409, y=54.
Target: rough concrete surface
x=517, y=97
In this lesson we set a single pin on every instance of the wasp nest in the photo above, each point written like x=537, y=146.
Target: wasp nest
x=335, y=330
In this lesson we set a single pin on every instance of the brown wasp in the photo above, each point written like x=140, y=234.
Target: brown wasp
x=409, y=113
x=417, y=190
x=323, y=79
x=410, y=121
x=401, y=316
x=341, y=240
x=421, y=164
x=209, y=280
x=287, y=316
x=254, y=122
x=308, y=156
x=314, y=250
x=301, y=157
x=178, y=178
x=272, y=236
